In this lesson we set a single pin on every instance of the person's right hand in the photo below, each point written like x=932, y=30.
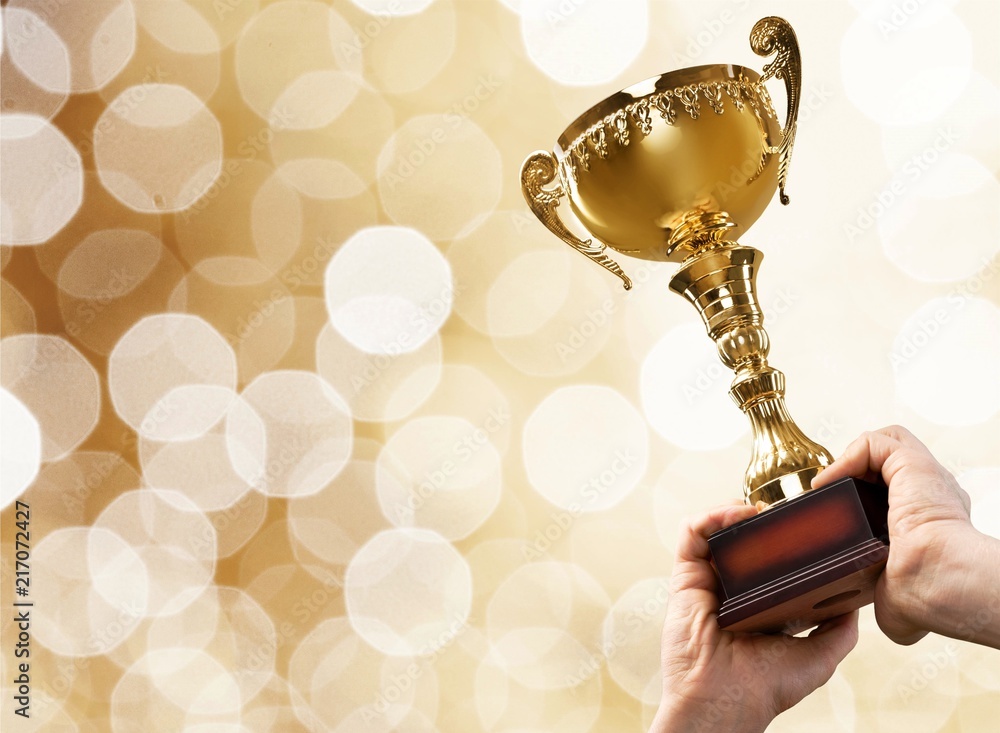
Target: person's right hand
x=942, y=574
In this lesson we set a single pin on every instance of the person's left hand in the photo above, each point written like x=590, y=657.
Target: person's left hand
x=721, y=680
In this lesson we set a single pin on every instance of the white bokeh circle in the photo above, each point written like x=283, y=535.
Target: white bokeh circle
x=441, y=473
x=307, y=429
x=57, y=384
x=582, y=44
x=685, y=391
x=157, y=148
x=408, y=592
x=20, y=448
x=168, y=362
x=585, y=448
x=928, y=59
x=945, y=358
x=441, y=174
x=388, y=290
x=42, y=184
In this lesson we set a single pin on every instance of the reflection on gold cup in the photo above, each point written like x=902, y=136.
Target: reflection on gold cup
x=673, y=169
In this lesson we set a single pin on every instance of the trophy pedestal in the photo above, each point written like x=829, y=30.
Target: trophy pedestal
x=804, y=560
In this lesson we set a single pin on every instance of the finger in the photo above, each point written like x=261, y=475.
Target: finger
x=692, y=569
x=904, y=436
x=695, y=531
x=867, y=453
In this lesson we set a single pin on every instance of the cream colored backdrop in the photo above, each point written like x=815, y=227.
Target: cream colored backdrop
x=321, y=430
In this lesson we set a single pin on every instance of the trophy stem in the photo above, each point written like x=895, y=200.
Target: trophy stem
x=720, y=281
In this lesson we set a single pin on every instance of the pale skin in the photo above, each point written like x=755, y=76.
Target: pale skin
x=941, y=577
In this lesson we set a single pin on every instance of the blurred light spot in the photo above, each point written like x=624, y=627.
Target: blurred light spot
x=247, y=303
x=929, y=58
x=36, y=50
x=489, y=252
x=178, y=26
x=945, y=360
x=322, y=178
x=334, y=523
x=378, y=387
x=685, y=392
x=20, y=448
x=466, y=392
x=440, y=473
x=541, y=281
x=585, y=448
x=632, y=631
x=308, y=431
x=983, y=485
x=109, y=264
x=440, y=174
x=193, y=683
x=42, y=185
x=295, y=40
x=542, y=658
x=201, y=465
x=408, y=51
x=156, y=356
x=584, y=43
x=99, y=36
x=408, y=592
x=172, y=538
x=314, y=99
x=95, y=595
x=553, y=595
x=333, y=672
x=388, y=290
x=574, y=335
x=913, y=228
x=157, y=148
x=57, y=384
x=354, y=138
x=392, y=7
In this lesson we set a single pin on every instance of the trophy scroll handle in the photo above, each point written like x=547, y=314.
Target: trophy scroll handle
x=774, y=35
x=540, y=170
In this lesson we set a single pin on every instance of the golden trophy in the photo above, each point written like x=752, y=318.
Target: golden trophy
x=673, y=169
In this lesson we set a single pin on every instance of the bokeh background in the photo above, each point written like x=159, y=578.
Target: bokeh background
x=321, y=430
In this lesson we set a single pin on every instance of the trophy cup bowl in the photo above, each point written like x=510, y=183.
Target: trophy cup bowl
x=647, y=163
x=673, y=169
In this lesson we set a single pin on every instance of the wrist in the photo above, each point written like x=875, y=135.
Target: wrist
x=699, y=716
x=966, y=601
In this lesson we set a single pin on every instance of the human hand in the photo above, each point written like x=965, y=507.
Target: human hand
x=721, y=680
x=933, y=579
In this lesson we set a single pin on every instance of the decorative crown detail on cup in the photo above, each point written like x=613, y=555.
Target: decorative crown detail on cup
x=594, y=140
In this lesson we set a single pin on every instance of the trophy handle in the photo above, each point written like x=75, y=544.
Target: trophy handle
x=539, y=170
x=774, y=35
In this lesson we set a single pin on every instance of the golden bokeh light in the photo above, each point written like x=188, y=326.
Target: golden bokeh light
x=322, y=430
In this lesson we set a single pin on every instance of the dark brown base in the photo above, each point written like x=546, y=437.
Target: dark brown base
x=803, y=561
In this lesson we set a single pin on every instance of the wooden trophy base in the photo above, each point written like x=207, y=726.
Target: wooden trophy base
x=804, y=560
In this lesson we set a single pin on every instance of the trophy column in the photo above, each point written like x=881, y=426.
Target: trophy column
x=720, y=282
